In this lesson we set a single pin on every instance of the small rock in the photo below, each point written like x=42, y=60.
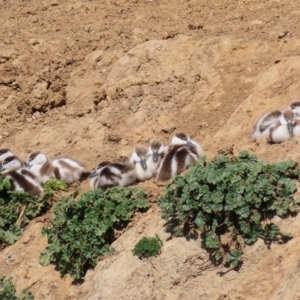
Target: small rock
x=6, y=134
x=114, y=137
x=54, y=3
x=283, y=34
x=33, y=42
x=34, y=19
x=29, y=120
x=37, y=114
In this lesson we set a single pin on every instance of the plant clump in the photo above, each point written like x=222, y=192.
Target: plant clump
x=8, y=291
x=16, y=209
x=231, y=201
x=82, y=231
x=147, y=247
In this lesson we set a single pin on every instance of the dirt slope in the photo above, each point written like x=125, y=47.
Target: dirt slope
x=91, y=79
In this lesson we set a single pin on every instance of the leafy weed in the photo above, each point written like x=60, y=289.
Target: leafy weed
x=234, y=197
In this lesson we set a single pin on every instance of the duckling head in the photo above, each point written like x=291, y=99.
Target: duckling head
x=156, y=148
x=140, y=155
x=5, y=152
x=11, y=163
x=289, y=119
x=36, y=158
x=181, y=138
x=295, y=106
x=99, y=168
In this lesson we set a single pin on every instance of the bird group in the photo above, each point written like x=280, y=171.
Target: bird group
x=38, y=168
x=278, y=126
x=157, y=160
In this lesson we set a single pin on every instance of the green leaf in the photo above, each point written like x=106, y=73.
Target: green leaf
x=44, y=258
x=234, y=257
x=211, y=241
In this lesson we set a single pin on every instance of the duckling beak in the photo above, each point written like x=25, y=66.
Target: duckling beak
x=143, y=163
x=27, y=166
x=94, y=174
x=190, y=144
x=155, y=156
x=2, y=169
x=290, y=126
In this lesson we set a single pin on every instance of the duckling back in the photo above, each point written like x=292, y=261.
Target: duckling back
x=67, y=169
x=176, y=160
x=179, y=155
x=264, y=123
x=113, y=174
x=21, y=179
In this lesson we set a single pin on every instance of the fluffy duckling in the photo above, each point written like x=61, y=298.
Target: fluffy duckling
x=285, y=128
x=39, y=164
x=21, y=179
x=64, y=169
x=295, y=107
x=4, y=153
x=264, y=123
x=182, y=139
x=156, y=152
x=109, y=174
x=139, y=158
x=179, y=155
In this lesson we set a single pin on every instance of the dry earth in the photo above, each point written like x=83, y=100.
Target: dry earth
x=91, y=79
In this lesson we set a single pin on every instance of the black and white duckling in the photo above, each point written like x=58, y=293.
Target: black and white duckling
x=21, y=178
x=264, y=123
x=156, y=152
x=285, y=128
x=178, y=157
x=109, y=174
x=182, y=139
x=64, y=169
x=295, y=107
x=139, y=158
x=4, y=153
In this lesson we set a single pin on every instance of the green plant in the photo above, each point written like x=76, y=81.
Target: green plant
x=8, y=291
x=147, y=247
x=16, y=209
x=54, y=185
x=231, y=200
x=83, y=230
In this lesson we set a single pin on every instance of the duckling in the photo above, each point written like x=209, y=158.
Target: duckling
x=139, y=158
x=21, y=179
x=109, y=174
x=295, y=107
x=4, y=153
x=39, y=164
x=285, y=128
x=182, y=139
x=179, y=155
x=64, y=169
x=264, y=123
x=156, y=152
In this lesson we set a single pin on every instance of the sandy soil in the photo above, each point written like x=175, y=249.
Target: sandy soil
x=91, y=79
